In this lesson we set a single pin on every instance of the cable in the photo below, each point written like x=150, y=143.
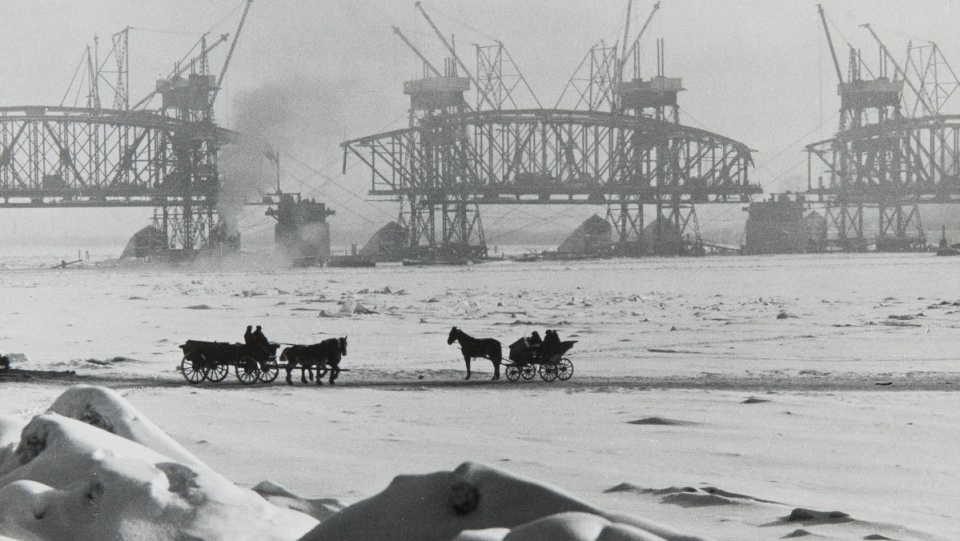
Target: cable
x=331, y=180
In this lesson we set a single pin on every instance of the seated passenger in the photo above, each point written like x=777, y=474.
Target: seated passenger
x=551, y=344
x=260, y=340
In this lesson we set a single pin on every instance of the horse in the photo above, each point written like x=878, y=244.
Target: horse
x=326, y=353
x=472, y=348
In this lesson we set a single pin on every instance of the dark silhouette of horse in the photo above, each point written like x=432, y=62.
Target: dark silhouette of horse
x=326, y=353
x=472, y=348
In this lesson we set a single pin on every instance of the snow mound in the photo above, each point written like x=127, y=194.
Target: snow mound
x=351, y=307
x=477, y=503
x=93, y=468
x=106, y=409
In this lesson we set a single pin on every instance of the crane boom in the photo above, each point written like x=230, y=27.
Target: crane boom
x=396, y=30
x=886, y=53
x=181, y=69
x=833, y=52
x=636, y=42
x=233, y=45
x=452, y=52
x=626, y=36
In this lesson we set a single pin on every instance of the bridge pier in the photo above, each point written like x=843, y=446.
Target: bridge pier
x=626, y=218
x=895, y=225
x=677, y=230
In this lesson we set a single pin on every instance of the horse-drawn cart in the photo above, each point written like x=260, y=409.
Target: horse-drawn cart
x=256, y=359
x=527, y=359
x=211, y=361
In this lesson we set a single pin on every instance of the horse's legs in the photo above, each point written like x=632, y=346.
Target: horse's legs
x=289, y=368
x=496, y=370
x=303, y=372
x=319, y=369
x=466, y=359
x=334, y=373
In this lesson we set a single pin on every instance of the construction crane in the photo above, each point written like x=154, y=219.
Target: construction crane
x=233, y=45
x=453, y=52
x=634, y=47
x=833, y=51
x=426, y=63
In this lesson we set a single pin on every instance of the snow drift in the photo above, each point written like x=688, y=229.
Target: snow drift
x=93, y=467
x=111, y=474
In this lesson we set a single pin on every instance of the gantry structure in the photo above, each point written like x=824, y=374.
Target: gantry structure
x=895, y=147
x=145, y=154
x=620, y=145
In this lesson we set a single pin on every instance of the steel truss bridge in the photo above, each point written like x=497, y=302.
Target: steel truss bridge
x=78, y=157
x=551, y=156
x=621, y=146
x=896, y=159
x=893, y=166
x=895, y=150
x=88, y=157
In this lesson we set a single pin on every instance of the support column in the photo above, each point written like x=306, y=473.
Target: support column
x=626, y=219
x=895, y=225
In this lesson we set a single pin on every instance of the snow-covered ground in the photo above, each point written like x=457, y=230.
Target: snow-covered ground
x=727, y=397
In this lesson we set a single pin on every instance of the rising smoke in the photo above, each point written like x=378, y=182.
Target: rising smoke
x=298, y=118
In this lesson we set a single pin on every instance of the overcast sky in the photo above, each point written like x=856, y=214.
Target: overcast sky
x=757, y=71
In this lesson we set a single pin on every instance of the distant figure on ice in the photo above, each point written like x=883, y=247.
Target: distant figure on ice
x=4, y=362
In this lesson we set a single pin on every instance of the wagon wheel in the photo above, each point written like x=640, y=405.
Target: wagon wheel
x=548, y=372
x=268, y=372
x=192, y=370
x=565, y=369
x=217, y=372
x=528, y=371
x=513, y=372
x=247, y=370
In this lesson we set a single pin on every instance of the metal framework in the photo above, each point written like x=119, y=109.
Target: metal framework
x=908, y=158
x=127, y=156
x=894, y=150
x=582, y=157
x=54, y=156
x=66, y=157
x=620, y=145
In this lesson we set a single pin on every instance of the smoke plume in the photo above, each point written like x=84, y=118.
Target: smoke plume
x=297, y=117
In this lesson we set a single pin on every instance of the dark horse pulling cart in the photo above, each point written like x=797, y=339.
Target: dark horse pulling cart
x=256, y=359
x=527, y=356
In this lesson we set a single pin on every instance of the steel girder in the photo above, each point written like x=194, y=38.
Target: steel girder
x=896, y=160
x=55, y=156
x=494, y=157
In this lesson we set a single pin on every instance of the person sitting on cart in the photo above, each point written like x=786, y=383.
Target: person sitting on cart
x=534, y=341
x=261, y=340
x=248, y=335
x=551, y=344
